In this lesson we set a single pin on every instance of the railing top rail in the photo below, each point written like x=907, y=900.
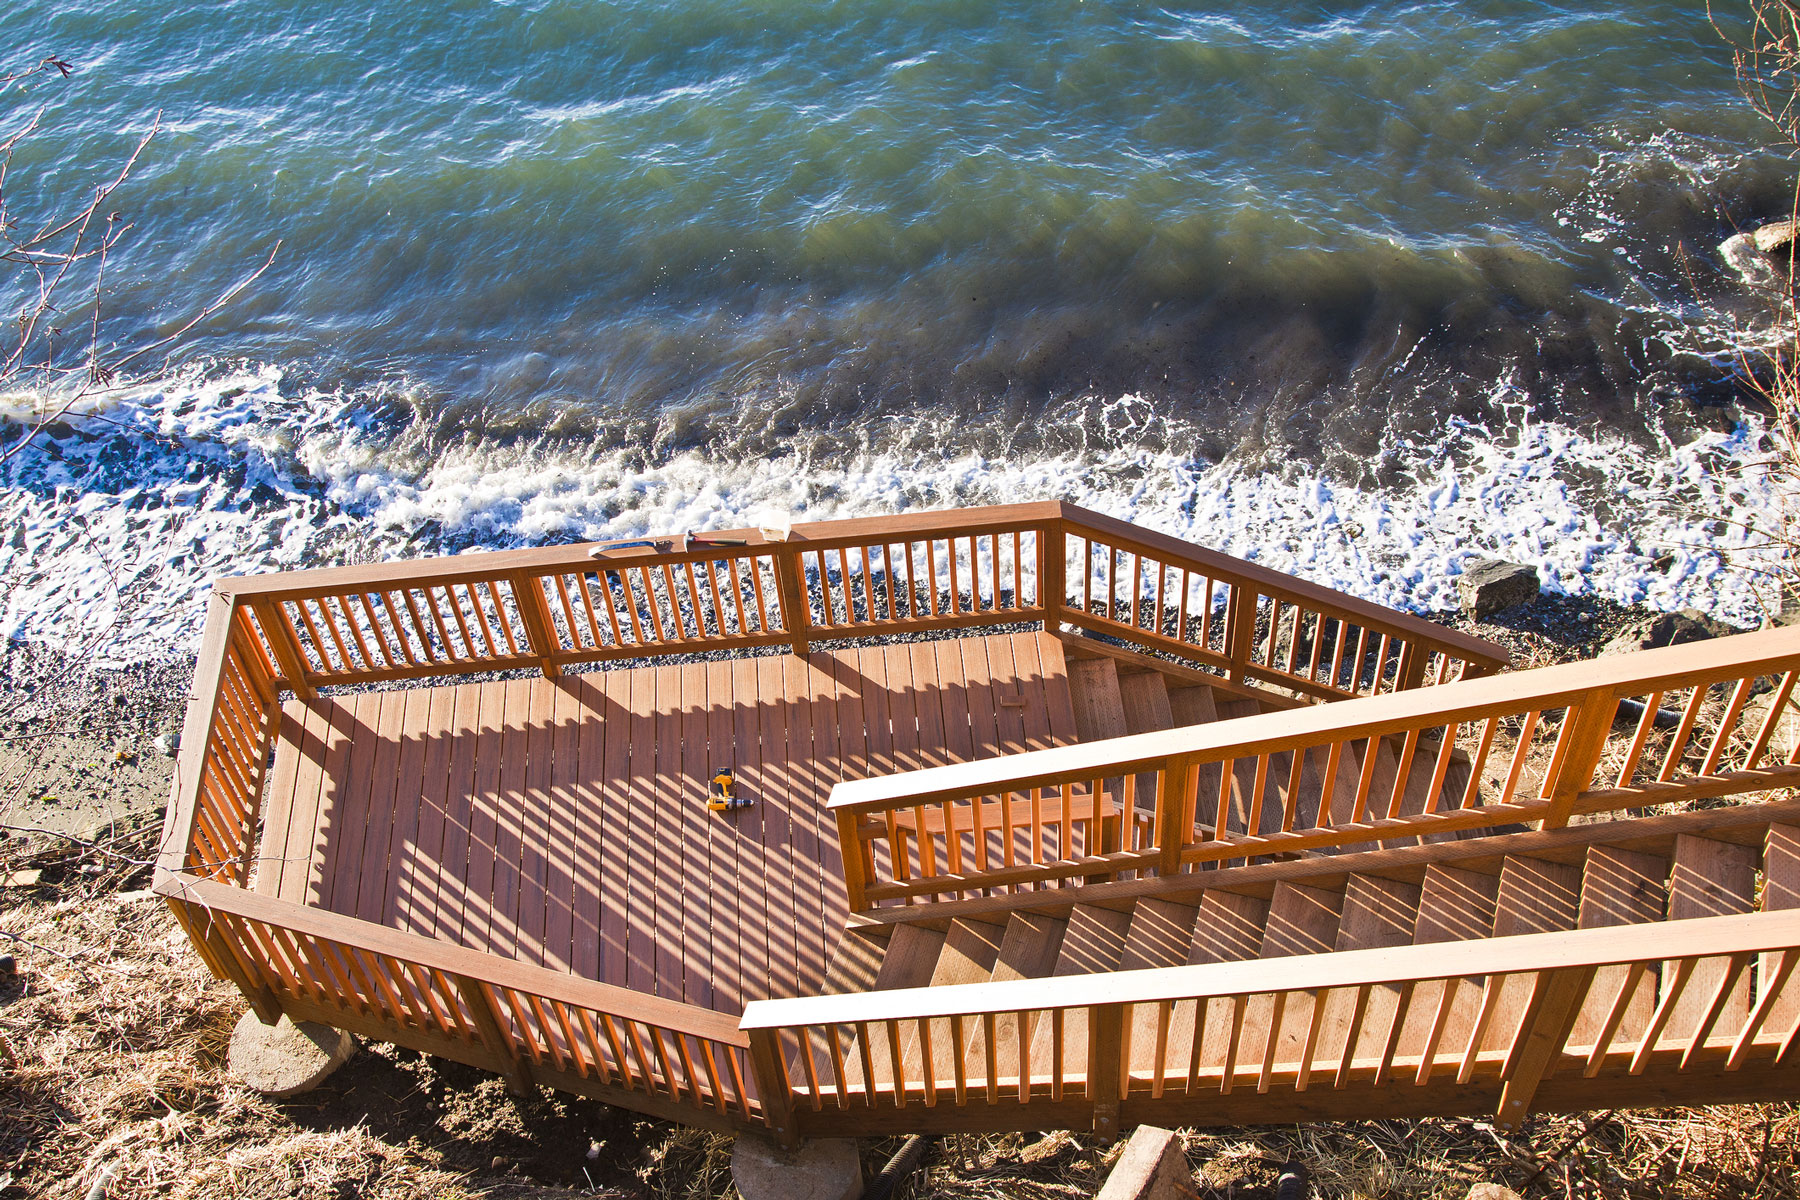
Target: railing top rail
x=1747, y=933
x=1376, y=616
x=1544, y=687
x=455, y=960
x=195, y=727
x=493, y=564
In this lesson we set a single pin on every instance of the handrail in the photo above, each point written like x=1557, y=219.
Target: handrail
x=1699, y=937
x=1162, y=1039
x=1355, y=771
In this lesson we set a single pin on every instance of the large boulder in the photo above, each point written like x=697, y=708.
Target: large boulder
x=1488, y=585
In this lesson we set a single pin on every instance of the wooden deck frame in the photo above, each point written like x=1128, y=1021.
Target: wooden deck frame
x=554, y=608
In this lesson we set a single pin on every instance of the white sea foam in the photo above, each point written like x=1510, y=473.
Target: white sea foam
x=114, y=531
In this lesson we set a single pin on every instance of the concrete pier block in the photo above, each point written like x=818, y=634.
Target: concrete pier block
x=826, y=1169
x=285, y=1059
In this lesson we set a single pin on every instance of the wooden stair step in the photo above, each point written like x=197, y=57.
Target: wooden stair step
x=1093, y=943
x=1536, y=896
x=971, y=948
x=1619, y=887
x=1228, y=927
x=1145, y=697
x=1028, y=951
x=1781, y=889
x=1455, y=905
x=855, y=964
x=1193, y=704
x=1162, y=935
x=1099, y=703
x=1377, y=914
x=1708, y=878
x=911, y=958
x=1302, y=920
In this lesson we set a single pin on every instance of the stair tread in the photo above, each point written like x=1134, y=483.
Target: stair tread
x=1302, y=920
x=1228, y=928
x=1093, y=942
x=1099, y=706
x=1144, y=696
x=1238, y=706
x=1622, y=887
x=1193, y=705
x=911, y=957
x=1161, y=934
x=1781, y=889
x=970, y=951
x=1455, y=905
x=855, y=964
x=1536, y=896
x=1377, y=913
x=1030, y=947
x=1708, y=878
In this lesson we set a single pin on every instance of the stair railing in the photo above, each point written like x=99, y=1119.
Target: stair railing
x=1634, y=731
x=1553, y=1020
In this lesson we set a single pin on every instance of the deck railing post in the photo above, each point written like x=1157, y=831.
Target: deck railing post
x=287, y=651
x=854, y=853
x=1240, y=629
x=1053, y=568
x=1174, y=811
x=790, y=584
x=1106, y=1066
x=1549, y=1019
x=1592, y=717
x=772, y=1087
x=1411, y=672
x=262, y=998
x=528, y=590
x=487, y=1024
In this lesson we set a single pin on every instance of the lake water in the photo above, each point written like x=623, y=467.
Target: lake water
x=1358, y=290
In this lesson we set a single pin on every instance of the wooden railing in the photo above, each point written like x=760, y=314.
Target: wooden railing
x=552, y=608
x=532, y=1025
x=1303, y=1038
x=1049, y=563
x=1532, y=746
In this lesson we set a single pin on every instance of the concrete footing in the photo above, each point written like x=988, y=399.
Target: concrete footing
x=1153, y=1166
x=827, y=1169
x=286, y=1059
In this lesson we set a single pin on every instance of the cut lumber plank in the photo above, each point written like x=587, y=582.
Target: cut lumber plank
x=1709, y=878
x=1162, y=934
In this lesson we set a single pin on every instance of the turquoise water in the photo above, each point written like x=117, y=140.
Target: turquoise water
x=568, y=243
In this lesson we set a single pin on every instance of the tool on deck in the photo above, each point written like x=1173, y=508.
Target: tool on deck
x=662, y=546
x=722, y=794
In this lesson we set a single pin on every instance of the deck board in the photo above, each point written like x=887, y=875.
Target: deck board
x=562, y=821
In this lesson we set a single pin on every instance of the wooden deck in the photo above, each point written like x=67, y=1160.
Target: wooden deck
x=561, y=821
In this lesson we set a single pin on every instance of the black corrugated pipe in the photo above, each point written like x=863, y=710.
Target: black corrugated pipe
x=1291, y=1183
x=904, y=1163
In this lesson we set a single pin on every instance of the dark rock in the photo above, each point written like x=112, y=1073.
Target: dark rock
x=1666, y=629
x=1488, y=585
x=8, y=965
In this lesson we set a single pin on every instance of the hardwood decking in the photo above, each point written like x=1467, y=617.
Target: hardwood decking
x=561, y=821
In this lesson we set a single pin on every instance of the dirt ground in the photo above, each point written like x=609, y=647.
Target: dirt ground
x=113, y=1037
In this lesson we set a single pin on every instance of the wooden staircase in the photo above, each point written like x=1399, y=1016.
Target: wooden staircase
x=1632, y=872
